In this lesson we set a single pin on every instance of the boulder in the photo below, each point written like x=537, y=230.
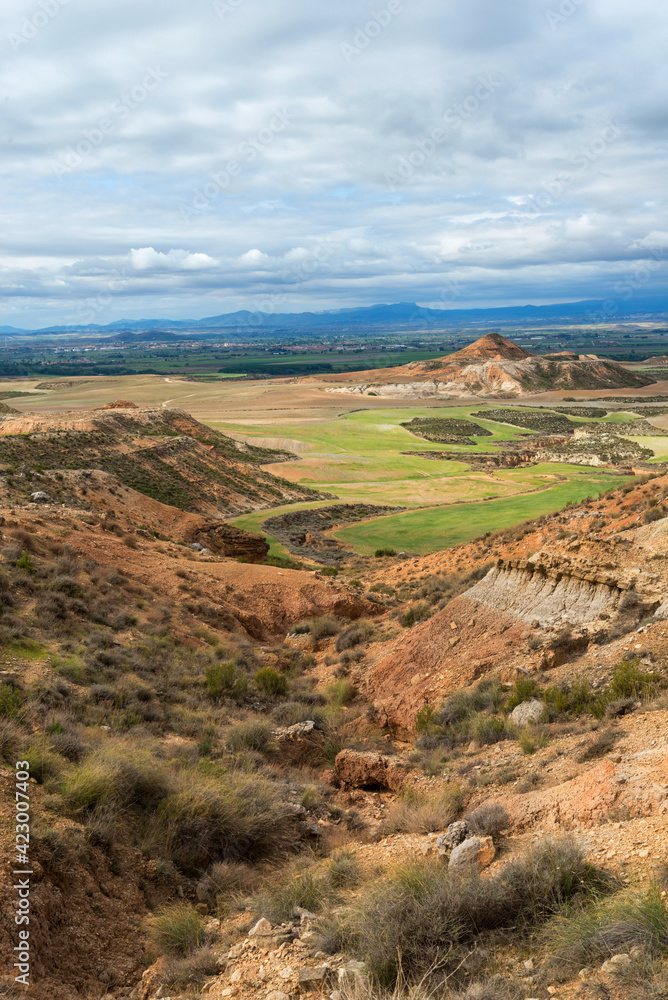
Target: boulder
x=311, y=980
x=527, y=712
x=473, y=852
x=41, y=497
x=261, y=929
x=367, y=769
x=455, y=835
x=616, y=963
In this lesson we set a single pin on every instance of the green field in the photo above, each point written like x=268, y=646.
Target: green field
x=360, y=456
x=434, y=528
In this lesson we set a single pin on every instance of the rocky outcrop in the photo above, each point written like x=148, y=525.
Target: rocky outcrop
x=366, y=769
x=226, y=540
x=119, y=404
x=551, y=588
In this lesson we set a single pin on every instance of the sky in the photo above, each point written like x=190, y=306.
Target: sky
x=185, y=158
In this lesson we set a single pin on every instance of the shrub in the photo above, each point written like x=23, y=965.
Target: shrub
x=341, y=692
x=118, y=776
x=44, y=763
x=350, y=637
x=297, y=886
x=608, y=926
x=628, y=681
x=344, y=868
x=270, y=682
x=422, y=914
x=227, y=818
x=232, y=878
x=177, y=929
x=11, y=701
x=225, y=680
x=524, y=689
x=489, y=729
x=249, y=736
x=488, y=820
x=652, y=514
x=379, y=553
x=193, y=970
x=25, y=563
x=416, y=613
x=415, y=812
x=11, y=739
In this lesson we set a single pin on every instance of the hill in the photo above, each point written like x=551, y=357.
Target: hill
x=164, y=454
x=494, y=366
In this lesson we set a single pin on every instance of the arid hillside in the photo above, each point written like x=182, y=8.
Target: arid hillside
x=494, y=366
x=257, y=779
x=164, y=454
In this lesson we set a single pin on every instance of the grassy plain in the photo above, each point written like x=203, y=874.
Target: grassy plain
x=360, y=456
x=433, y=528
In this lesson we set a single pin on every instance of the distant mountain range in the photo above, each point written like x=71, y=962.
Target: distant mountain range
x=401, y=315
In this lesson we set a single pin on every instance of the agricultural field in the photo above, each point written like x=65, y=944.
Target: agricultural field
x=360, y=457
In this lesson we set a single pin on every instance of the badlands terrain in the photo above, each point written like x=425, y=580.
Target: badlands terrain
x=319, y=758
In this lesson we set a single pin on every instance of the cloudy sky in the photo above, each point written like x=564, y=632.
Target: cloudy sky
x=184, y=158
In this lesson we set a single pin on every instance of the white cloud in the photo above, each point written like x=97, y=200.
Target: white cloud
x=148, y=259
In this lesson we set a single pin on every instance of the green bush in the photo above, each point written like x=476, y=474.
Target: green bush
x=299, y=885
x=226, y=818
x=341, y=692
x=605, y=927
x=177, y=929
x=270, y=682
x=416, y=613
x=118, y=776
x=489, y=729
x=25, y=563
x=344, y=869
x=524, y=689
x=11, y=701
x=379, y=553
x=224, y=680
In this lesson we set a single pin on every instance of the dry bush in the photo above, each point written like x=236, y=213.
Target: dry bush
x=422, y=914
x=415, y=812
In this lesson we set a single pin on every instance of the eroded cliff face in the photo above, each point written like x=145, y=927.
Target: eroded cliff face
x=552, y=589
x=524, y=615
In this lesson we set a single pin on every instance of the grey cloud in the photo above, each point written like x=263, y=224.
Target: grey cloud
x=520, y=195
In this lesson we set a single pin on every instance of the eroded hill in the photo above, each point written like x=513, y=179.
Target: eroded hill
x=164, y=454
x=494, y=366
